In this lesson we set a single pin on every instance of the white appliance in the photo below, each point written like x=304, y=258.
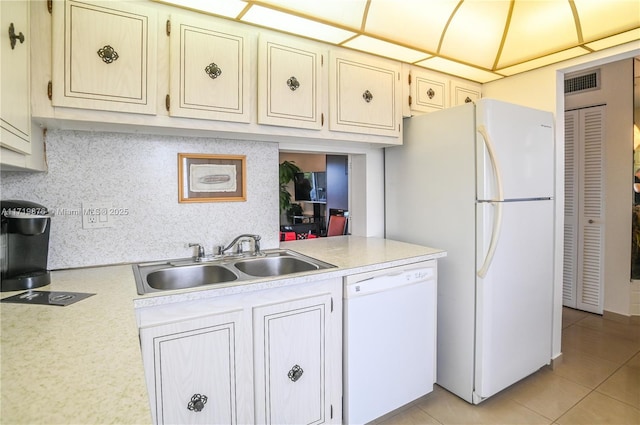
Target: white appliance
x=389, y=339
x=478, y=181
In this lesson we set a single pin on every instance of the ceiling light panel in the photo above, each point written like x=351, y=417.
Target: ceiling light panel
x=226, y=8
x=295, y=25
x=619, y=15
x=538, y=28
x=616, y=40
x=416, y=23
x=544, y=61
x=475, y=32
x=461, y=70
x=383, y=48
x=344, y=13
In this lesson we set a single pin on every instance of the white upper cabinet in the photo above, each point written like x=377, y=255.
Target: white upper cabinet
x=15, y=116
x=462, y=93
x=365, y=94
x=209, y=70
x=104, y=56
x=290, y=83
x=429, y=92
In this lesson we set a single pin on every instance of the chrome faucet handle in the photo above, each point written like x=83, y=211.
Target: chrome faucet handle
x=200, y=255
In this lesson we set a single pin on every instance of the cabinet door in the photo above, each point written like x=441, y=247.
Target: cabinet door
x=365, y=95
x=289, y=83
x=464, y=93
x=209, y=66
x=104, y=56
x=428, y=92
x=290, y=344
x=15, y=117
x=195, y=371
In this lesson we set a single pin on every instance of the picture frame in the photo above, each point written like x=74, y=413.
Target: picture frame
x=211, y=178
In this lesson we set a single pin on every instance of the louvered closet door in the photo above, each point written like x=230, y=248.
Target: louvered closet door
x=584, y=209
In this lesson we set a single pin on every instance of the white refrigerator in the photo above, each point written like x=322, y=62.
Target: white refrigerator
x=478, y=181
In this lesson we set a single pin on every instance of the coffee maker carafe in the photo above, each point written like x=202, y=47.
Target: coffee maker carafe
x=24, y=245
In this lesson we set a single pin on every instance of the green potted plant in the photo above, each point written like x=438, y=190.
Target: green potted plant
x=288, y=170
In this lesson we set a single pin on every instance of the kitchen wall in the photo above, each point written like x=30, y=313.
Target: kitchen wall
x=139, y=173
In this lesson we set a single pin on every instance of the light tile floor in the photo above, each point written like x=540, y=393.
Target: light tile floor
x=597, y=382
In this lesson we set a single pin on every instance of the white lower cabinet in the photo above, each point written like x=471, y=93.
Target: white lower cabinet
x=193, y=370
x=267, y=357
x=290, y=343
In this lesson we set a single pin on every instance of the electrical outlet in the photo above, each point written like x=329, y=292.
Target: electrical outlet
x=95, y=215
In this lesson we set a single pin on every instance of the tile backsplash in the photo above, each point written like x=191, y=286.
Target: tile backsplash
x=137, y=175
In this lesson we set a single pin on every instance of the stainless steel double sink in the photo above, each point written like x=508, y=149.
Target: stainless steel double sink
x=187, y=273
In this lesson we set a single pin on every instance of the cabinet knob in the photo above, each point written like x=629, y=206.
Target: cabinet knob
x=13, y=37
x=108, y=54
x=431, y=93
x=295, y=373
x=468, y=100
x=367, y=96
x=293, y=83
x=213, y=70
x=197, y=402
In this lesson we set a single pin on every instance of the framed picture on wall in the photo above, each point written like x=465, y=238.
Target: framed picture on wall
x=211, y=178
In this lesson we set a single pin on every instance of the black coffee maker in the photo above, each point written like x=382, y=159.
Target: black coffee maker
x=24, y=245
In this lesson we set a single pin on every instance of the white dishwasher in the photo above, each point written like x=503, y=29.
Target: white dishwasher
x=389, y=339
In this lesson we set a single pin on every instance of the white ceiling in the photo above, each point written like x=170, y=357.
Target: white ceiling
x=480, y=40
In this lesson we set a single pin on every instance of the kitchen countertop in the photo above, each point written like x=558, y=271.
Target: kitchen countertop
x=82, y=364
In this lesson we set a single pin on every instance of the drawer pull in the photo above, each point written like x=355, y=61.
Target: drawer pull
x=213, y=70
x=293, y=83
x=295, y=373
x=108, y=54
x=197, y=402
x=367, y=96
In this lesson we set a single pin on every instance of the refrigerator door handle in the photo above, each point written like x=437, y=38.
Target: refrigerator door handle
x=497, y=217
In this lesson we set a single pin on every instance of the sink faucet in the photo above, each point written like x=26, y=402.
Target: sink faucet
x=256, y=243
x=200, y=255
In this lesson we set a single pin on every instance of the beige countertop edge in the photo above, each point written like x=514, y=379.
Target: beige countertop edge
x=82, y=363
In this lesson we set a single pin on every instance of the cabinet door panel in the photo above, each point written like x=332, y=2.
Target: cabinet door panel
x=289, y=84
x=191, y=358
x=464, y=93
x=104, y=57
x=365, y=96
x=15, y=117
x=209, y=75
x=429, y=93
x=290, y=371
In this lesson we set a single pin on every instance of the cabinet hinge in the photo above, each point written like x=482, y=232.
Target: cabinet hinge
x=49, y=5
x=167, y=102
x=50, y=90
x=409, y=78
x=168, y=27
x=322, y=119
x=410, y=100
